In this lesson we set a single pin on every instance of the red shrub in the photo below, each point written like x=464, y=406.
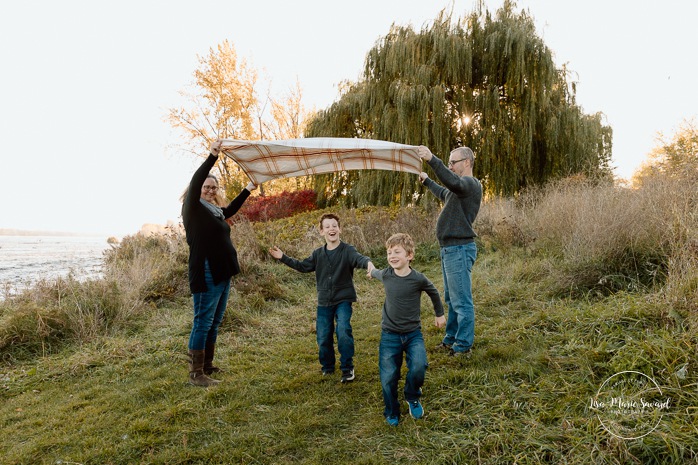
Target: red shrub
x=259, y=209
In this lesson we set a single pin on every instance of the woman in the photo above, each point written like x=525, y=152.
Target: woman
x=212, y=263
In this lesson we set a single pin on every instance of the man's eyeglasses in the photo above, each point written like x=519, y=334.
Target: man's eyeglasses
x=453, y=162
x=211, y=188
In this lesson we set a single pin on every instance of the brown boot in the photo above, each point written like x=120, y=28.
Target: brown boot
x=209, y=367
x=197, y=377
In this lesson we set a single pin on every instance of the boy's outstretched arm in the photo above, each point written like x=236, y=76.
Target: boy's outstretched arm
x=275, y=252
x=304, y=266
x=370, y=267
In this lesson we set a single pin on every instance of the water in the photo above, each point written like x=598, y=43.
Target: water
x=27, y=259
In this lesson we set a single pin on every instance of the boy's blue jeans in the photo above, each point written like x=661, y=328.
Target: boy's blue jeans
x=209, y=308
x=392, y=346
x=327, y=317
x=456, y=265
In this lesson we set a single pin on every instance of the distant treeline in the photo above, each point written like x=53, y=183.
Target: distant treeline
x=20, y=232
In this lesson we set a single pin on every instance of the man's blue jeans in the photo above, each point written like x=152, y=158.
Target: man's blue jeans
x=392, y=346
x=327, y=317
x=456, y=265
x=209, y=308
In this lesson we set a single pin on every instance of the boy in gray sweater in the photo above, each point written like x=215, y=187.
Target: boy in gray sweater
x=401, y=327
x=333, y=265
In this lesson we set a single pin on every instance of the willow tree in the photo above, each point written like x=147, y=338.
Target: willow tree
x=486, y=82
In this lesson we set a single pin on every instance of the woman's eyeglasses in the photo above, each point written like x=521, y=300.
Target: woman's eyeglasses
x=211, y=188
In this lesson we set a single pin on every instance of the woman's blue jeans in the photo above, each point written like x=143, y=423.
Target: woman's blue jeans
x=392, y=346
x=209, y=308
x=457, y=265
x=327, y=317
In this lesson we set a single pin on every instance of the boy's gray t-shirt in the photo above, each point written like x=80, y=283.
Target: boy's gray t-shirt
x=401, y=310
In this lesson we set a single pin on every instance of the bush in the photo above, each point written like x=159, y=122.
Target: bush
x=150, y=268
x=28, y=328
x=366, y=228
x=279, y=206
x=62, y=311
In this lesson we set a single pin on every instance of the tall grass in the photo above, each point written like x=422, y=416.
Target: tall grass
x=573, y=283
x=138, y=274
x=601, y=238
x=150, y=268
x=593, y=238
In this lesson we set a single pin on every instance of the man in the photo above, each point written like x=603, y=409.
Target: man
x=461, y=195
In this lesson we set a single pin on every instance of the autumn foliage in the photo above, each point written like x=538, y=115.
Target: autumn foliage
x=278, y=206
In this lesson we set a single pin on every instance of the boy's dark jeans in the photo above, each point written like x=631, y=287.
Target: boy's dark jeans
x=327, y=317
x=392, y=346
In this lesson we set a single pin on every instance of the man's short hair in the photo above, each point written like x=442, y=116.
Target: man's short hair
x=466, y=153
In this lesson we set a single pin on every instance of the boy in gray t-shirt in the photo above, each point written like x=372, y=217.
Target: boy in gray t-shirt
x=402, y=329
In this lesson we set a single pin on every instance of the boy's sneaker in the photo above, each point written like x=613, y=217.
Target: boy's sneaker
x=416, y=409
x=348, y=376
x=327, y=372
x=443, y=346
x=392, y=421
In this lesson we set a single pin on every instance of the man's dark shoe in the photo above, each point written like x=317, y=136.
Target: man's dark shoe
x=443, y=346
x=461, y=354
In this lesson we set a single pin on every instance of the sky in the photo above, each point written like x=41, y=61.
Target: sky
x=85, y=86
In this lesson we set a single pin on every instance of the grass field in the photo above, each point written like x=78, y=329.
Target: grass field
x=109, y=386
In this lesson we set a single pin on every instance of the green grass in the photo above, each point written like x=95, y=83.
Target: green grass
x=522, y=397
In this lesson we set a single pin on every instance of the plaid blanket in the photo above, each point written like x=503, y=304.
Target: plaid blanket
x=265, y=160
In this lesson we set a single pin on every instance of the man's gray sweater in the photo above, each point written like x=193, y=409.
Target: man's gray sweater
x=461, y=197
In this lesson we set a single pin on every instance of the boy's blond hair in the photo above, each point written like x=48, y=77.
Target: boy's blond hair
x=403, y=240
x=329, y=216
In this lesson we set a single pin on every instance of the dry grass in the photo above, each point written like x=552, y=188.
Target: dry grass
x=601, y=238
x=91, y=372
x=590, y=239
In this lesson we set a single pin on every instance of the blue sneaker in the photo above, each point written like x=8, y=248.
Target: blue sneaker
x=392, y=421
x=416, y=409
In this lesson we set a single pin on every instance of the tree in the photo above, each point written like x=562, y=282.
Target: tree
x=288, y=118
x=488, y=83
x=675, y=156
x=223, y=102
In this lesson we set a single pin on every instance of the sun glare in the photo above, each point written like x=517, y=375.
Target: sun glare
x=462, y=121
